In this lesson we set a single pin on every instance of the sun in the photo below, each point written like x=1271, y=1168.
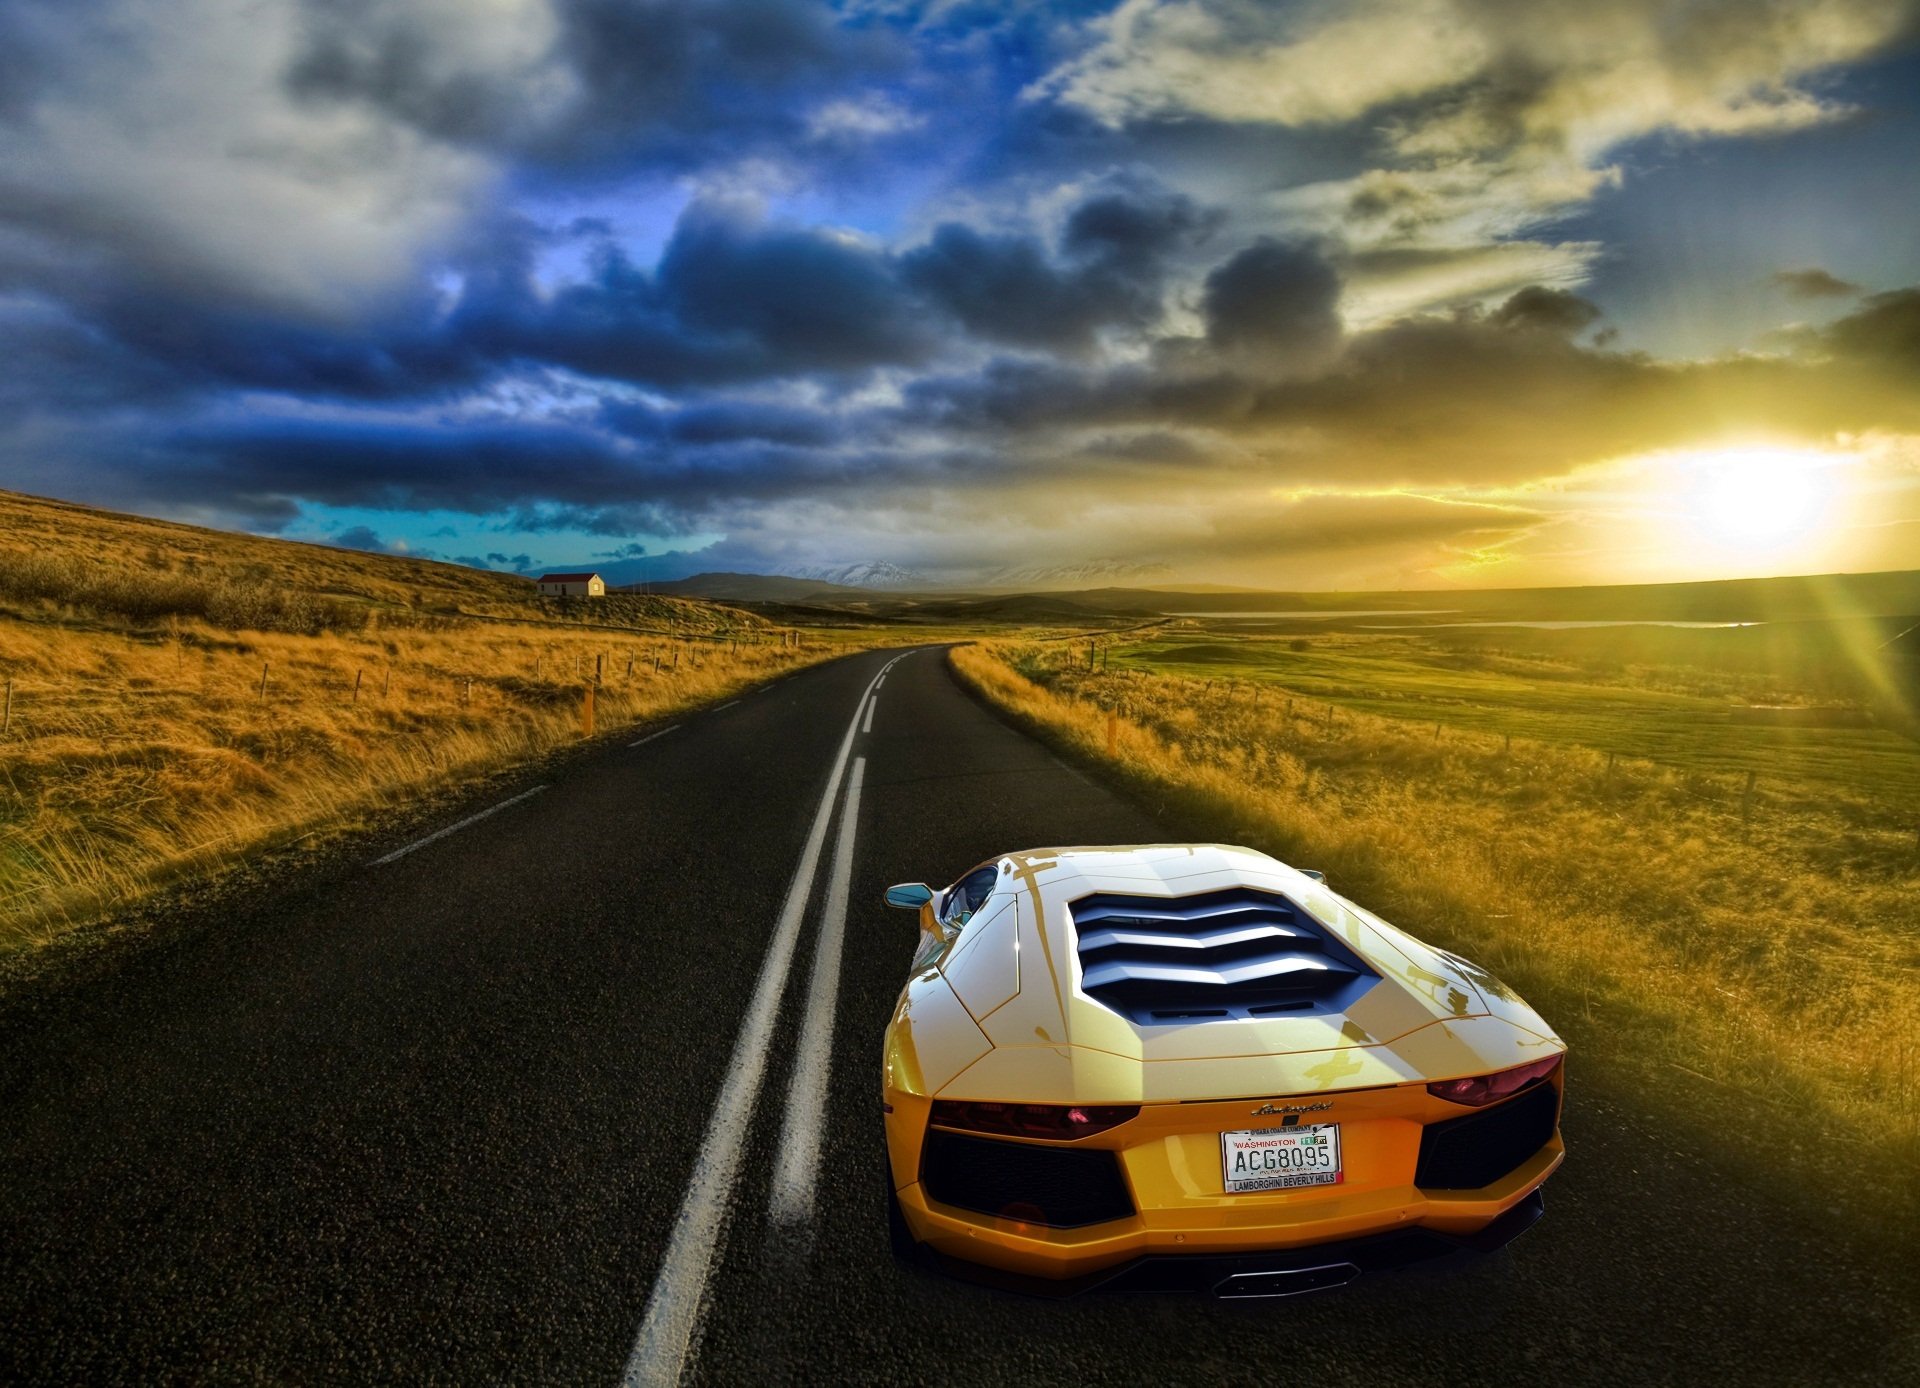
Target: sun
x=1759, y=498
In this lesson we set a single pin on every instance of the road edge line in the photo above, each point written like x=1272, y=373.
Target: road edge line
x=439, y=834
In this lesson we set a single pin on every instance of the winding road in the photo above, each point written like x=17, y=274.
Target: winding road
x=581, y=1086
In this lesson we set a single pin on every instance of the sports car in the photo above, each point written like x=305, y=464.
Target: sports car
x=1193, y=1066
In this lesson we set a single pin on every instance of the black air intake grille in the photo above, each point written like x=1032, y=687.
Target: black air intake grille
x=1477, y=1150
x=1232, y=954
x=1065, y=1187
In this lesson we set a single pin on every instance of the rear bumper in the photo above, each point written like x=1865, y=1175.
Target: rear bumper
x=1285, y=1272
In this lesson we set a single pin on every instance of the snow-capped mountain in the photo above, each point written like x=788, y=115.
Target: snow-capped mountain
x=1090, y=573
x=874, y=573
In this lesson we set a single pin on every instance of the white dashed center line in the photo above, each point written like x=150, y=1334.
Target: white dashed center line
x=800, y=1137
x=651, y=736
x=665, y=1342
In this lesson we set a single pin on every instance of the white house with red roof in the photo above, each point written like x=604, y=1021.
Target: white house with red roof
x=572, y=586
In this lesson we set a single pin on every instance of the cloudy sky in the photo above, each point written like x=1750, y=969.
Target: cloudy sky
x=1326, y=293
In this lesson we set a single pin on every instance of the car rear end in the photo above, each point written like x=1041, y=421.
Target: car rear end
x=1253, y=1195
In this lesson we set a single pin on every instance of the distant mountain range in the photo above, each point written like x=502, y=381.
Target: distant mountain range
x=1089, y=573
x=732, y=587
x=874, y=573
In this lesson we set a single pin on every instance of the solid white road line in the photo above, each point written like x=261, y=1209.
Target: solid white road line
x=872, y=704
x=454, y=828
x=665, y=1341
x=801, y=1134
x=651, y=736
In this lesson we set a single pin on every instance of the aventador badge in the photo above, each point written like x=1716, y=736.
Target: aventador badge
x=1266, y=1109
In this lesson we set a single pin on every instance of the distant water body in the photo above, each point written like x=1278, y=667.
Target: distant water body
x=1559, y=626
x=1322, y=614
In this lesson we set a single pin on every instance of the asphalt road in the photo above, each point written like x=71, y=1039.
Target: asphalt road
x=437, y=1120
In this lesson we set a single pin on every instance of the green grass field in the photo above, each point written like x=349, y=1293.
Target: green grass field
x=1570, y=688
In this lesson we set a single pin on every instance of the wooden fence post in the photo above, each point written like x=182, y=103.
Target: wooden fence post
x=357, y=676
x=386, y=680
x=586, y=712
x=629, y=664
x=263, y=679
x=596, y=667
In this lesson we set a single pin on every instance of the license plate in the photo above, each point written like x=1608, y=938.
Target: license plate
x=1281, y=1158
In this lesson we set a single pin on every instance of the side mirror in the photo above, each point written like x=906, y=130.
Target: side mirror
x=1314, y=873
x=909, y=896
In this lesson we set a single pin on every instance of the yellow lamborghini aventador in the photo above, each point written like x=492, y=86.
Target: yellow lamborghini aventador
x=1189, y=1065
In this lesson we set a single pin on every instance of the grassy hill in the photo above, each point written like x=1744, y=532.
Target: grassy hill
x=180, y=699
x=58, y=558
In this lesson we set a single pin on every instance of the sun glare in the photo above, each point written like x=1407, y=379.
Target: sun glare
x=1759, y=498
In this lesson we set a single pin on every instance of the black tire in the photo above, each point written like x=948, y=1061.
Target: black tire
x=906, y=1249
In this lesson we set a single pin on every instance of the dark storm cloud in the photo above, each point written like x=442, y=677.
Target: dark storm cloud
x=594, y=87
x=736, y=421
x=801, y=296
x=1812, y=282
x=1539, y=309
x=1110, y=270
x=1274, y=299
x=732, y=299
x=1884, y=330
x=1005, y=289
x=360, y=537
x=680, y=80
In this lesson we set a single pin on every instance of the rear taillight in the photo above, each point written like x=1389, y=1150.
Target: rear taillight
x=1477, y=1091
x=1057, y=1122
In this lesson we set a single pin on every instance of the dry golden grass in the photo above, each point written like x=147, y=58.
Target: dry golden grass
x=140, y=748
x=1749, y=976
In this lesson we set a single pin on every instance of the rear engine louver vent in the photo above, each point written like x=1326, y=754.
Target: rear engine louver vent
x=1219, y=956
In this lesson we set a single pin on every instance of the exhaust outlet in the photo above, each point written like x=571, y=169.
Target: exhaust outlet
x=1285, y=1281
